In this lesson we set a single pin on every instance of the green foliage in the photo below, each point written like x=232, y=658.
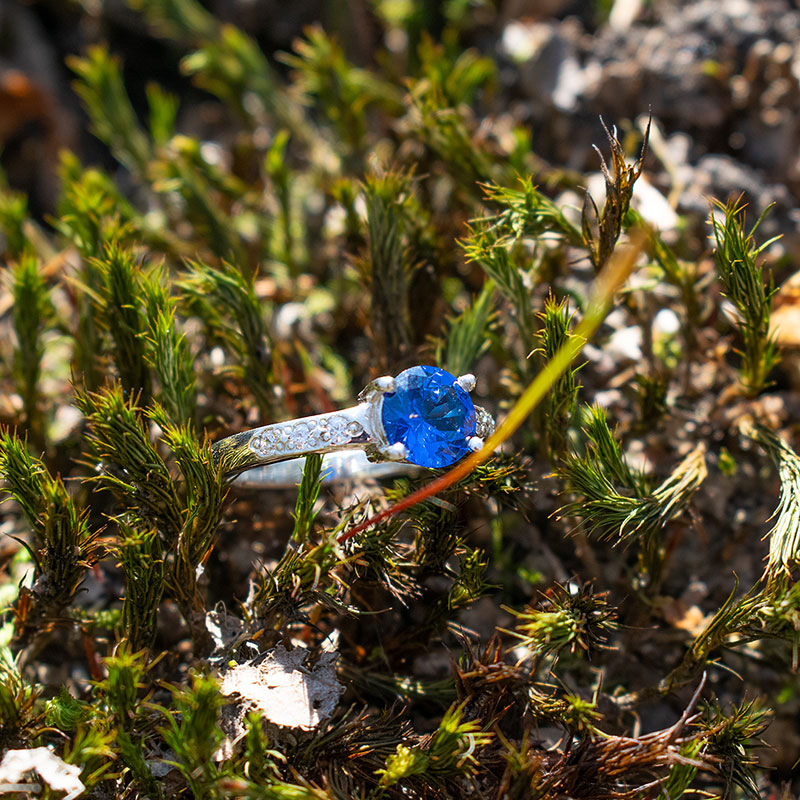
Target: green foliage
x=122, y=685
x=31, y=312
x=302, y=578
x=470, y=582
x=525, y=212
x=450, y=755
x=778, y=615
x=468, y=334
x=679, y=273
x=66, y=712
x=114, y=121
x=229, y=64
x=121, y=690
x=191, y=731
x=616, y=504
x=17, y=701
x=605, y=450
x=163, y=114
x=732, y=735
x=142, y=562
x=178, y=18
x=91, y=210
x=455, y=744
x=608, y=512
x=201, y=510
x=226, y=301
x=651, y=397
x=260, y=762
x=682, y=774
x=440, y=97
x=93, y=749
x=734, y=619
x=495, y=258
x=207, y=191
x=784, y=537
x=63, y=545
x=388, y=199
x=13, y=213
x=307, y=494
x=276, y=167
x=90, y=207
x=344, y=92
x=118, y=310
x=558, y=409
x=129, y=465
x=569, y=618
x=575, y=713
x=168, y=353
x=743, y=281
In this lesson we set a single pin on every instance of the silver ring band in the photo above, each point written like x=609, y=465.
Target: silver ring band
x=349, y=429
x=341, y=467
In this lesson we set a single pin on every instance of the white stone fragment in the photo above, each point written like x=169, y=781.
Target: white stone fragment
x=666, y=322
x=224, y=628
x=285, y=691
x=522, y=40
x=57, y=774
x=623, y=14
x=626, y=343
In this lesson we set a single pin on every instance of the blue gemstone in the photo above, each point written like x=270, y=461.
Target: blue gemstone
x=431, y=415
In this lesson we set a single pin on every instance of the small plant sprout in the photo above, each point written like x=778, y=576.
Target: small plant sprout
x=748, y=289
x=569, y=618
x=32, y=311
x=601, y=230
x=784, y=537
x=558, y=410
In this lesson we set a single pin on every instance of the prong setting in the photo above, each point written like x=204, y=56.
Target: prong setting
x=466, y=381
x=394, y=452
x=475, y=443
x=384, y=384
x=375, y=388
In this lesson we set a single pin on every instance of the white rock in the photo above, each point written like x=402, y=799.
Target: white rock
x=653, y=206
x=666, y=322
x=626, y=343
x=285, y=691
x=623, y=14
x=224, y=628
x=521, y=41
x=56, y=773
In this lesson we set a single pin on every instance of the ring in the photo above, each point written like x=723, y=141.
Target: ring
x=343, y=466
x=424, y=416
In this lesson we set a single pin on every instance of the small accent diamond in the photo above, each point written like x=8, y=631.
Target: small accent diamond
x=304, y=435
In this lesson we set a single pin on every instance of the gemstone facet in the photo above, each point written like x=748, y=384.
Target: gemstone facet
x=431, y=415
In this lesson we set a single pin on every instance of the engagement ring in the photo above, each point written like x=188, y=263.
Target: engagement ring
x=424, y=417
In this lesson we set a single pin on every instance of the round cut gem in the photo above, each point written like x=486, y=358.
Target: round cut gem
x=431, y=415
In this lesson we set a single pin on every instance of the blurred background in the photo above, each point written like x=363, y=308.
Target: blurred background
x=721, y=79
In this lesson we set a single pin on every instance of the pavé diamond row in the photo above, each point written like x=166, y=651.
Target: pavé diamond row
x=297, y=437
